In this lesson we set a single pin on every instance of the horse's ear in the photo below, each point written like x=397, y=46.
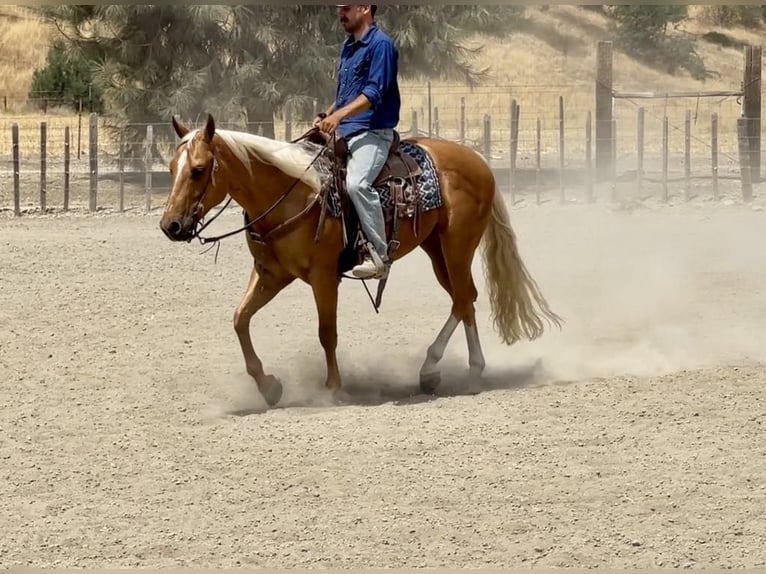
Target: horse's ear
x=209, y=129
x=180, y=128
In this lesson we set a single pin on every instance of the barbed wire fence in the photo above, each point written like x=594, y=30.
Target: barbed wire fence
x=543, y=143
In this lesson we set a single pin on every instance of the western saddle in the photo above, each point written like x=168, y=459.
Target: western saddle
x=398, y=165
x=399, y=174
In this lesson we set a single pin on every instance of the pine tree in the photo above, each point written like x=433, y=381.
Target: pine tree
x=245, y=63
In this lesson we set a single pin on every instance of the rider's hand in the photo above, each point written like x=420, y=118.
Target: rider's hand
x=329, y=124
x=318, y=119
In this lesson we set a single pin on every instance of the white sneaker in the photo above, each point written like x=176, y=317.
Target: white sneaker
x=368, y=270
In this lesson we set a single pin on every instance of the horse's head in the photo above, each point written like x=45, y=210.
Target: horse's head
x=194, y=191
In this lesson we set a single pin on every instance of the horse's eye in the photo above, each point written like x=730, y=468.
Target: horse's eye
x=197, y=172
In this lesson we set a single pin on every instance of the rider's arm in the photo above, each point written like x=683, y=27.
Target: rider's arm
x=381, y=76
x=330, y=109
x=359, y=104
x=382, y=72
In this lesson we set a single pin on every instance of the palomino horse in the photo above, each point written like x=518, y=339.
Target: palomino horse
x=277, y=186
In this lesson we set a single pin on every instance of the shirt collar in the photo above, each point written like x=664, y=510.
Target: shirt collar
x=364, y=39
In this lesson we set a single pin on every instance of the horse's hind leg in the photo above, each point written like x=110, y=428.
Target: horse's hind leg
x=261, y=289
x=458, y=249
x=429, y=374
x=451, y=253
x=476, y=362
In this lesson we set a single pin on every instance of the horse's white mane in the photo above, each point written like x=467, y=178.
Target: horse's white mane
x=291, y=158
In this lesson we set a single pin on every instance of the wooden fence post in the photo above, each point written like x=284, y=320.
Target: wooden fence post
x=16, y=170
x=43, y=165
x=148, y=166
x=93, y=149
x=714, y=152
x=430, y=107
x=66, y=167
x=613, y=163
x=604, y=110
x=487, y=138
x=744, y=159
x=687, y=155
x=538, y=145
x=665, y=152
x=288, y=121
x=514, y=144
x=79, y=128
x=589, y=157
x=562, y=195
x=436, y=122
x=640, y=150
x=751, y=107
x=121, y=164
x=462, y=120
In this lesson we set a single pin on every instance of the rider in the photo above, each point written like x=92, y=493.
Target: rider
x=365, y=113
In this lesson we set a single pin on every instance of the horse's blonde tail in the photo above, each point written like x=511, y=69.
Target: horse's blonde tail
x=512, y=291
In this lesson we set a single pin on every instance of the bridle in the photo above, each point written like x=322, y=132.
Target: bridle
x=261, y=238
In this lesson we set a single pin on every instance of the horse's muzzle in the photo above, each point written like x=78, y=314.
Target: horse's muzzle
x=178, y=230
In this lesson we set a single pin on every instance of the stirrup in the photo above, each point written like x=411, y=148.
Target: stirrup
x=376, y=258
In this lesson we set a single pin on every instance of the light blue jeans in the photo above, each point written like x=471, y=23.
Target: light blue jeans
x=368, y=152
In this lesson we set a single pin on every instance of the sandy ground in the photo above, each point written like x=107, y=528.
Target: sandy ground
x=131, y=435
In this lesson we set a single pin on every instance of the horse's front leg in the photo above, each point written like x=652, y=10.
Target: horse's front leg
x=261, y=289
x=325, y=288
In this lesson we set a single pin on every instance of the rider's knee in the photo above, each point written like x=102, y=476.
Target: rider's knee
x=354, y=186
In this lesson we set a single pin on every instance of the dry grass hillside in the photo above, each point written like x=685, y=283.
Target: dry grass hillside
x=23, y=45
x=557, y=47
x=554, y=55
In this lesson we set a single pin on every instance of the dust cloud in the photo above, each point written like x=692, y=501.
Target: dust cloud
x=646, y=294
x=643, y=293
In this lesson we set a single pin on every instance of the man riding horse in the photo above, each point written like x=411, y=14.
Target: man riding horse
x=364, y=114
x=451, y=215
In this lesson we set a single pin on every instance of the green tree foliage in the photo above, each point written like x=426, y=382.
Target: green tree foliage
x=642, y=31
x=749, y=16
x=245, y=63
x=66, y=79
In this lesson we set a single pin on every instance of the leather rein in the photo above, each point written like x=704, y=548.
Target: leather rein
x=256, y=236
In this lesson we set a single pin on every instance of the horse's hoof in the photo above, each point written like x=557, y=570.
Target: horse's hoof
x=340, y=398
x=271, y=391
x=429, y=382
x=475, y=373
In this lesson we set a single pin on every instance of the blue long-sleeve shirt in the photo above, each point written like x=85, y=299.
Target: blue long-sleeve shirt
x=369, y=67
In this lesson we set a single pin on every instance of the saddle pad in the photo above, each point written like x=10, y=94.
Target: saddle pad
x=428, y=191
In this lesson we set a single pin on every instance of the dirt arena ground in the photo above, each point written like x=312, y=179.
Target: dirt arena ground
x=131, y=435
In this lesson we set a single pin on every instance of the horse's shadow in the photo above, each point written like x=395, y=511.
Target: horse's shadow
x=376, y=388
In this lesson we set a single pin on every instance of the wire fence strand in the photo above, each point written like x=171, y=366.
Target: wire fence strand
x=547, y=146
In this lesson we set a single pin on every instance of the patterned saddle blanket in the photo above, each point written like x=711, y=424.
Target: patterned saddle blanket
x=425, y=196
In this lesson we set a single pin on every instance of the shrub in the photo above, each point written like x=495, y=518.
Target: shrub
x=642, y=31
x=65, y=80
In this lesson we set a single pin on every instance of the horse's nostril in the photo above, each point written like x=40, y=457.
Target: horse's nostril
x=174, y=228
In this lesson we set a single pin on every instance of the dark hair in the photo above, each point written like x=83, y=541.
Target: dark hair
x=373, y=9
